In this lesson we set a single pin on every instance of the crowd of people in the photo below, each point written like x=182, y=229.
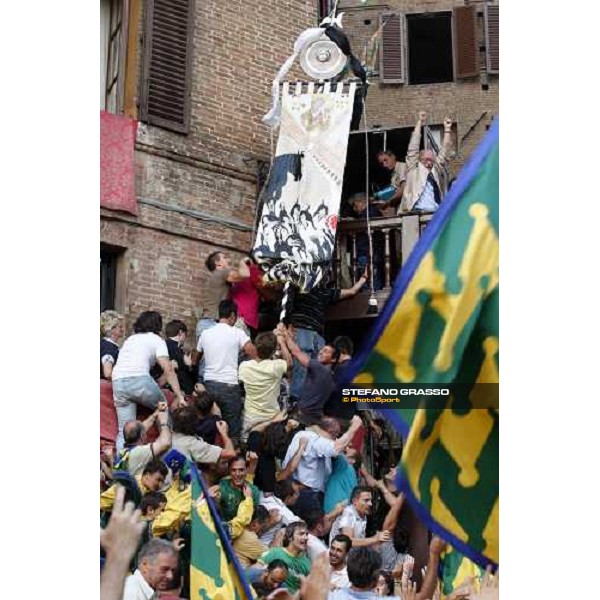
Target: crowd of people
x=283, y=458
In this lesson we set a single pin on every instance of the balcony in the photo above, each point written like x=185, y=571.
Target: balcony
x=395, y=237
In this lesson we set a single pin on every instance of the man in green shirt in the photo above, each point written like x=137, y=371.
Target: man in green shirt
x=293, y=554
x=232, y=488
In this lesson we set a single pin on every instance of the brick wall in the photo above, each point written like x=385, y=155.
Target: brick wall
x=211, y=172
x=398, y=104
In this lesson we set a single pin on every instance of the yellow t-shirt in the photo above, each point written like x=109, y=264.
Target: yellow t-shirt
x=262, y=380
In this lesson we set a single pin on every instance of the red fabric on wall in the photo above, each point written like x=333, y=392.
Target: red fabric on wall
x=108, y=414
x=117, y=180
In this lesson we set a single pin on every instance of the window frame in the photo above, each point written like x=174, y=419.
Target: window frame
x=117, y=38
x=407, y=73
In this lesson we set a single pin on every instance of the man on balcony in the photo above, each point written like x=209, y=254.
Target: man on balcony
x=423, y=191
x=387, y=159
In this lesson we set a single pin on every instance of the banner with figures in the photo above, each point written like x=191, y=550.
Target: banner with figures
x=296, y=233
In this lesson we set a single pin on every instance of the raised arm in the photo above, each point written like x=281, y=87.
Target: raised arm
x=163, y=442
x=260, y=427
x=412, y=154
x=241, y=273
x=171, y=378
x=391, y=519
x=286, y=472
x=436, y=547
x=120, y=540
x=350, y=292
x=442, y=157
x=228, y=451
x=303, y=359
x=285, y=353
x=338, y=509
x=341, y=443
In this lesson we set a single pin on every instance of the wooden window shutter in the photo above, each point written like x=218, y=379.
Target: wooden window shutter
x=466, y=50
x=391, y=49
x=492, y=37
x=167, y=64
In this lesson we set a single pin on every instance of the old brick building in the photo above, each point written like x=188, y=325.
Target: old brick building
x=196, y=77
x=197, y=154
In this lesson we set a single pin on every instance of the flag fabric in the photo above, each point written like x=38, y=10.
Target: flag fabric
x=456, y=569
x=440, y=326
x=215, y=572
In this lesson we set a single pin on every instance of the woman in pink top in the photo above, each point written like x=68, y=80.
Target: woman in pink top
x=246, y=295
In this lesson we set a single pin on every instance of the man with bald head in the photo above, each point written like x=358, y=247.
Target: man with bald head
x=311, y=468
x=423, y=191
x=137, y=452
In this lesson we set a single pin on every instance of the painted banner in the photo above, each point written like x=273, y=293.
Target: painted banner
x=296, y=233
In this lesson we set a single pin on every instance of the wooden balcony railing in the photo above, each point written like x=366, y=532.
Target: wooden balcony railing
x=393, y=240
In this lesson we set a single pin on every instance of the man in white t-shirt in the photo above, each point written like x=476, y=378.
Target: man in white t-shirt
x=353, y=521
x=132, y=382
x=220, y=346
x=262, y=380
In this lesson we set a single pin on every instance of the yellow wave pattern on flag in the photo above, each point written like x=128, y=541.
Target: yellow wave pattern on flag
x=212, y=575
x=463, y=437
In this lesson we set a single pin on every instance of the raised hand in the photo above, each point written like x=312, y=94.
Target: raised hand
x=178, y=544
x=316, y=585
x=489, y=589
x=409, y=589
x=437, y=545
x=463, y=591
x=121, y=536
x=407, y=567
x=222, y=428
x=447, y=124
x=422, y=117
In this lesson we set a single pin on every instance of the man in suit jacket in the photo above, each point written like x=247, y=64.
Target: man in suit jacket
x=423, y=191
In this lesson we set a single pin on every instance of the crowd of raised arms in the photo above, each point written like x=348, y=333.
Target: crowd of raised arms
x=258, y=413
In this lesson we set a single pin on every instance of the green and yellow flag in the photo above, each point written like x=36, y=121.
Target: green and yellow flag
x=215, y=572
x=440, y=328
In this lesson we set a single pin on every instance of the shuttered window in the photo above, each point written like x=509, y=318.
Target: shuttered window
x=492, y=38
x=466, y=52
x=165, y=95
x=112, y=54
x=391, y=50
